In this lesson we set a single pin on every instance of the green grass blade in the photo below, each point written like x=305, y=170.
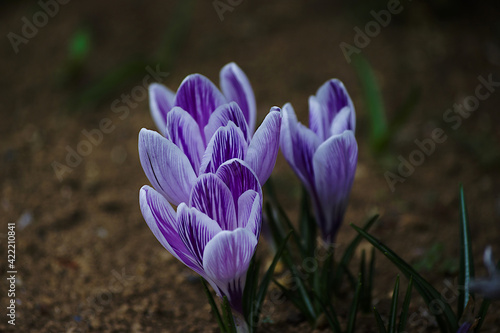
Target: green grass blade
x=394, y=307
x=406, y=306
x=307, y=226
x=261, y=294
x=446, y=319
x=466, y=260
x=228, y=315
x=380, y=322
x=373, y=103
x=348, y=254
x=331, y=315
x=482, y=314
x=215, y=310
x=351, y=323
x=297, y=301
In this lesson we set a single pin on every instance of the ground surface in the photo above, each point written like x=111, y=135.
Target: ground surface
x=86, y=260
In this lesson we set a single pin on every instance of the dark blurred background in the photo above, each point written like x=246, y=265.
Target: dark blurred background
x=79, y=67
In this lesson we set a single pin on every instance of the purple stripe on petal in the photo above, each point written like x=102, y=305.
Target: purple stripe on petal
x=196, y=230
x=161, y=100
x=199, y=97
x=162, y=220
x=227, y=143
x=223, y=115
x=250, y=212
x=212, y=197
x=226, y=260
x=236, y=87
x=464, y=328
x=239, y=178
x=334, y=166
x=166, y=166
x=184, y=132
x=263, y=148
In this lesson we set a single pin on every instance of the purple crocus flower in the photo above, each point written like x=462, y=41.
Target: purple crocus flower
x=173, y=163
x=191, y=119
x=200, y=97
x=488, y=287
x=325, y=155
x=215, y=233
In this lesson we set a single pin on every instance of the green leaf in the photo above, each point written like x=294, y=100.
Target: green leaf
x=348, y=254
x=215, y=310
x=307, y=226
x=446, y=319
x=380, y=322
x=297, y=301
x=373, y=103
x=466, y=259
x=228, y=315
x=394, y=307
x=406, y=305
x=482, y=314
x=330, y=314
x=261, y=294
x=351, y=323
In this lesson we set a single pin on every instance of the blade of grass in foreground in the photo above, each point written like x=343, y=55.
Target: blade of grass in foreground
x=466, y=261
x=444, y=315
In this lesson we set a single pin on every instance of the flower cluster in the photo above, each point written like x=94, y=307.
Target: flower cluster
x=209, y=163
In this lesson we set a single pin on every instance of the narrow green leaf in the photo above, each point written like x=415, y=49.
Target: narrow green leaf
x=297, y=301
x=307, y=225
x=331, y=315
x=348, y=254
x=371, y=275
x=373, y=102
x=466, y=259
x=380, y=322
x=261, y=294
x=362, y=274
x=406, y=306
x=215, y=310
x=446, y=318
x=482, y=314
x=228, y=315
x=394, y=307
x=351, y=323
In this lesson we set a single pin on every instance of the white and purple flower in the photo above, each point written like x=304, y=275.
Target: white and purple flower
x=202, y=128
x=325, y=155
x=215, y=232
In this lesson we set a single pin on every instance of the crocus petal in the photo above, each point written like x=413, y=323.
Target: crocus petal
x=333, y=97
x=341, y=122
x=318, y=121
x=236, y=87
x=227, y=143
x=298, y=144
x=226, y=260
x=199, y=97
x=166, y=166
x=250, y=212
x=184, y=132
x=334, y=168
x=223, y=115
x=162, y=220
x=212, y=197
x=263, y=148
x=239, y=178
x=161, y=100
x=196, y=230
